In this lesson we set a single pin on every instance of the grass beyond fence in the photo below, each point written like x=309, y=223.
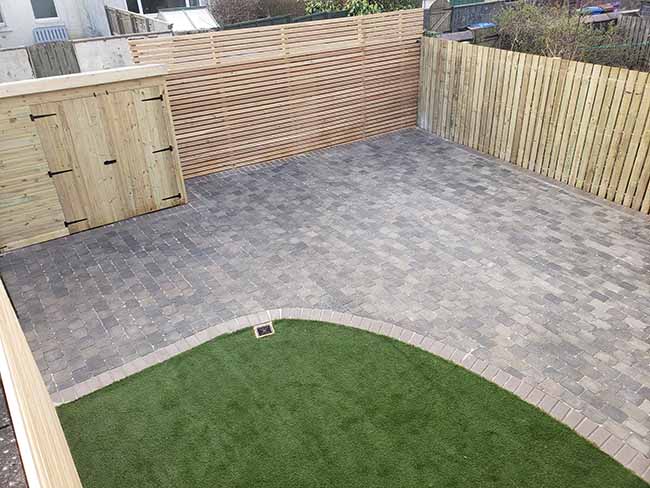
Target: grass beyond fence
x=582, y=124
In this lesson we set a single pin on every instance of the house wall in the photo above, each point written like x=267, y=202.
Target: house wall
x=92, y=55
x=82, y=18
x=104, y=53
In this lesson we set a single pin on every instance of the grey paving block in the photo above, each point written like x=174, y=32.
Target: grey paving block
x=600, y=436
x=640, y=464
x=625, y=455
x=535, y=396
x=573, y=419
x=612, y=445
x=560, y=410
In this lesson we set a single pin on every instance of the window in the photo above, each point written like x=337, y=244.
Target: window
x=2, y=20
x=44, y=9
x=152, y=6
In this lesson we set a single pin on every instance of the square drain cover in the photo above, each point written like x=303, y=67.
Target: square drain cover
x=264, y=330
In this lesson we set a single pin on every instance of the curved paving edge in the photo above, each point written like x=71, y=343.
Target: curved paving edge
x=526, y=389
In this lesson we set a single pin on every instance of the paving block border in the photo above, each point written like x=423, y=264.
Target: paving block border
x=527, y=389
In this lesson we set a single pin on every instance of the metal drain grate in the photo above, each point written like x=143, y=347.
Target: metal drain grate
x=264, y=330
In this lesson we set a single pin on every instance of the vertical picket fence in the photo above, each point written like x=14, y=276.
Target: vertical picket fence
x=582, y=124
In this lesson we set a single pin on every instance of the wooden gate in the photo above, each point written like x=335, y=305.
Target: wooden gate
x=249, y=95
x=96, y=149
x=53, y=59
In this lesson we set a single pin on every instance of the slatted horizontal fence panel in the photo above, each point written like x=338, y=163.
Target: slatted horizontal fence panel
x=582, y=124
x=246, y=96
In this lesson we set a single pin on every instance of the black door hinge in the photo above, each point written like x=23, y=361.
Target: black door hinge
x=54, y=173
x=110, y=161
x=170, y=149
x=68, y=224
x=34, y=117
x=153, y=98
x=172, y=197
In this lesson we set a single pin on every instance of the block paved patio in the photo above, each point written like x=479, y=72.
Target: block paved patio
x=547, y=283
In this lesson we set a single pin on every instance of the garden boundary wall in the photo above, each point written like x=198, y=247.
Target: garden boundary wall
x=245, y=96
x=583, y=124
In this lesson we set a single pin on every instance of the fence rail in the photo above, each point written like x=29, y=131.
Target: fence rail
x=42, y=444
x=582, y=124
x=250, y=95
x=125, y=22
x=286, y=19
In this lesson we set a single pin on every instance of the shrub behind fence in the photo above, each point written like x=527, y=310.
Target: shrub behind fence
x=286, y=19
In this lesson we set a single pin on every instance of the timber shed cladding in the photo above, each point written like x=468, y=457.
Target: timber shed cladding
x=250, y=95
x=84, y=150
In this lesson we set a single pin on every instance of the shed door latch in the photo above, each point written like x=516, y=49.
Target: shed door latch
x=170, y=149
x=68, y=224
x=172, y=197
x=54, y=173
x=42, y=116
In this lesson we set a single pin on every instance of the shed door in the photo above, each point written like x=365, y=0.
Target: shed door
x=82, y=161
x=111, y=156
x=157, y=142
x=29, y=206
x=140, y=131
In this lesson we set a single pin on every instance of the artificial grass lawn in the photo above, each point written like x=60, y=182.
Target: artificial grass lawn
x=319, y=405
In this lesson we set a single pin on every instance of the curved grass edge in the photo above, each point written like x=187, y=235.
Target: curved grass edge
x=526, y=389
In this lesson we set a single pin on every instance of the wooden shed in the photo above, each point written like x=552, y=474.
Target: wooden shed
x=84, y=150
